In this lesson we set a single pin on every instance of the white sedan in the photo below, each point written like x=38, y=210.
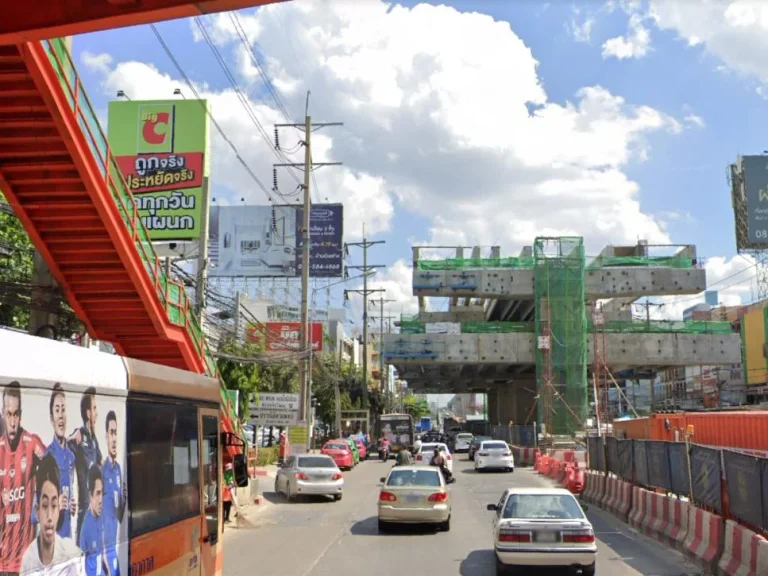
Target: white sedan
x=461, y=443
x=542, y=527
x=427, y=450
x=494, y=455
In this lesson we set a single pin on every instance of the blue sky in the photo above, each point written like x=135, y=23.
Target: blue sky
x=681, y=180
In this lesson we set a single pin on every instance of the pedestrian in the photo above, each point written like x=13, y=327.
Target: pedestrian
x=229, y=495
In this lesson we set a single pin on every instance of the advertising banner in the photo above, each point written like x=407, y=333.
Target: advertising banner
x=706, y=474
x=755, y=173
x=49, y=453
x=743, y=482
x=284, y=336
x=161, y=149
x=265, y=241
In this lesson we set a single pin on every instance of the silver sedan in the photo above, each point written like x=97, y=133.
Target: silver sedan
x=309, y=475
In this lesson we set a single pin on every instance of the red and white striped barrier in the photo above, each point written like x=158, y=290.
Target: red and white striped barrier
x=659, y=516
x=677, y=529
x=611, y=493
x=595, y=487
x=637, y=513
x=740, y=553
x=623, y=502
x=523, y=456
x=705, y=537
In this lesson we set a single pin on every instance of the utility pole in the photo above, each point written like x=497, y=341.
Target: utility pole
x=365, y=269
x=238, y=326
x=648, y=304
x=304, y=338
x=381, y=302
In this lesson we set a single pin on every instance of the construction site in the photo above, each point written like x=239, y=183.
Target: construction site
x=544, y=334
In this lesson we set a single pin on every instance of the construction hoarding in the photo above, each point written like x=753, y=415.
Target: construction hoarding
x=283, y=336
x=265, y=241
x=161, y=147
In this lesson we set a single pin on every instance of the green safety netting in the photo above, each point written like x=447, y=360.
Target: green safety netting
x=561, y=320
x=660, y=261
x=465, y=263
x=661, y=327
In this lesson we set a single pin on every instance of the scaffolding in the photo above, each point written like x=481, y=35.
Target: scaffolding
x=561, y=330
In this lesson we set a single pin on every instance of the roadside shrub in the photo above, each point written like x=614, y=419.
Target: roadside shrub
x=267, y=456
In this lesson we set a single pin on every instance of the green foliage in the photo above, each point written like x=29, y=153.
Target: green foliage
x=267, y=455
x=250, y=378
x=416, y=407
x=16, y=268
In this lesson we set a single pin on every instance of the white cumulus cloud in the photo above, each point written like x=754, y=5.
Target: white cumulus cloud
x=445, y=117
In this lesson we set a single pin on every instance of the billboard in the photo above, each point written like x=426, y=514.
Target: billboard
x=265, y=241
x=161, y=148
x=48, y=453
x=283, y=336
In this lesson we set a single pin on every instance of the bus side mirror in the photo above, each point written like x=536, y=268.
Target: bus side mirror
x=240, y=469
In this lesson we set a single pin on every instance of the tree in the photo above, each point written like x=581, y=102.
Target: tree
x=15, y=268
x=250, y=378
x=416, y=407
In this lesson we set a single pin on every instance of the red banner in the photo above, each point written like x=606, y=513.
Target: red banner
x=157, y=172
x=284, y=336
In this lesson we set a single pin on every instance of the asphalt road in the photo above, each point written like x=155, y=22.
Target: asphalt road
x=323, y=538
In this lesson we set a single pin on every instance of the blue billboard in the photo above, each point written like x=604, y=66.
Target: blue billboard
x=326, y=223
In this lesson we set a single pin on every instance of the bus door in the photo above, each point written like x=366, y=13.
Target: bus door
x=211, y=559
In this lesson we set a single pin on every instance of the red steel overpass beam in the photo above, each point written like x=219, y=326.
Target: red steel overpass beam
x=21, y=22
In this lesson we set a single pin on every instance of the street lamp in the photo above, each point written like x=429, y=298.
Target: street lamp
x=122, y=94
x=178, y=92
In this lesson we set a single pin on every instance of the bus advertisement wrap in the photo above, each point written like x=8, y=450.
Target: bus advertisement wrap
x=161, y=148
x=64, y=490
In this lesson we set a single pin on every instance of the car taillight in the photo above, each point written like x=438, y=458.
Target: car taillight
x=301, y=476
x=584, y=537
x=447, y=456
x=483, y=453
x=418, y=457
x=337, y=476
x=508, y=536
x=387, y=497
x=506, y=454
x=438, y=497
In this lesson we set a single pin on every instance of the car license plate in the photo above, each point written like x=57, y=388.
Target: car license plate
x=413, y=498
x=319, y=477
x=546, y=537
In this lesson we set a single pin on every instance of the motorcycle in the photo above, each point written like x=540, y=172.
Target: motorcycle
x=384, y=453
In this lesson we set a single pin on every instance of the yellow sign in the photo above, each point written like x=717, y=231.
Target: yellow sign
x=297, y=434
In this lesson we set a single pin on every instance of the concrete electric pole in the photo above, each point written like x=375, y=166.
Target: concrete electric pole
x=304, y=333
x=365, y=269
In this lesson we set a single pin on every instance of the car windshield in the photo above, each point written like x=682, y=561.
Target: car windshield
x=542, y=506
x=316, y=462
x=464, y=437
x=431, y=447
x=478, y=439
x=336, y=447
x=494, y=446
x=426, y=478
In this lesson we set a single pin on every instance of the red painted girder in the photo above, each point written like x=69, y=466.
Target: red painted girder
x=22, y=22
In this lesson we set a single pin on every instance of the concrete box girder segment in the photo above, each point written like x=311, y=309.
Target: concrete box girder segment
x=622, y=349
x=41, y=19
x=518, y=284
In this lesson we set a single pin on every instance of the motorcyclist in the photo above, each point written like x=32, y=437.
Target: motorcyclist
x=439, y=460
x=383, y=446
x=404, y=458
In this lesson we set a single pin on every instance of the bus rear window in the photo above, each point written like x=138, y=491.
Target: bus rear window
x=163, y=464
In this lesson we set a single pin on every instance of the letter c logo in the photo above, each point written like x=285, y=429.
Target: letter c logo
x=150, y=129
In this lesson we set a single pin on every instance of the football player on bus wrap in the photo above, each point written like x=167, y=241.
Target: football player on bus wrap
x=115, y=495
x=20, y=454
x=85, y=447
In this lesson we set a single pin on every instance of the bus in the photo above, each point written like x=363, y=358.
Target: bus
x=398, y=429
x=425, y=423
x=108, y=465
